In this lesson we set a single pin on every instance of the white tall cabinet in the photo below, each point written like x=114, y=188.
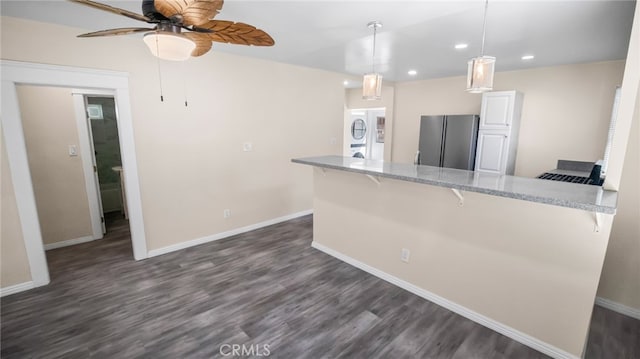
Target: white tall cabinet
x=498, y=133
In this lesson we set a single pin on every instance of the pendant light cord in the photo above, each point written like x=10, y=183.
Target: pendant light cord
x=484, y=25
x=373, y=53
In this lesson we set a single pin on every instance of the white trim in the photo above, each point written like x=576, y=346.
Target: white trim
x=233, y=232
x=21, y=178
x=618, y=308
x=70, y=242
x=84, y=142
x=492, y=324
x=15, y=72
x=17, y=288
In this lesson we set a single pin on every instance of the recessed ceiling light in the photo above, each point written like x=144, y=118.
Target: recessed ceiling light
x=345, y=82
x=461, y=46
x=412, y=72
x=528, y=57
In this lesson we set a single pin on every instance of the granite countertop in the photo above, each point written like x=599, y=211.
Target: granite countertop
x=579, y=196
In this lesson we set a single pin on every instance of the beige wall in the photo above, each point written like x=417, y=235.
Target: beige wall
x=566, y=111
x=190, y=159
x=620, y=280
x=49, y=126
x=530, y=266
x=14, y=265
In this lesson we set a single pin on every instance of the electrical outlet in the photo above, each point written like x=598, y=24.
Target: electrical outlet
x=404, y=255
x=247, y=147
x=226, y=213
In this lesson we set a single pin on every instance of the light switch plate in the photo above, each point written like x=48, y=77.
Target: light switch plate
x=404, y=255
x=73, y=150
x=247, y=147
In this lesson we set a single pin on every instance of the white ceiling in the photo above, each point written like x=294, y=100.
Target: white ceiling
x=418, y=35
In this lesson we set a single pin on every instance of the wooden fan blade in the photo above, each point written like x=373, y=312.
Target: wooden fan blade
x=112, y=9
x=237, y=33
x=192, y=12
x=203, y=43
x=121, y=31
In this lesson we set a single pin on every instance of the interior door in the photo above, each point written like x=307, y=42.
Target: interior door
x=84, y=142
x=375, y=141
x=94, y=162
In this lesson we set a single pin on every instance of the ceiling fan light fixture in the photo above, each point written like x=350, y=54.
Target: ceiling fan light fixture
x=480, y=69
x=372, y=82
x=169, y=46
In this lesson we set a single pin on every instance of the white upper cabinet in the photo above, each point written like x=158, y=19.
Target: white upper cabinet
x=498, y=109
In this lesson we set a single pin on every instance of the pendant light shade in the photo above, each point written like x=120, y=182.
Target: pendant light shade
x=372, y=82
x=169, y=46
x=480, y=74
x=480, y=70
x=372, y=86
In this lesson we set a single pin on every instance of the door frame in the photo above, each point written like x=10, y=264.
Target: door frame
x=16, y=72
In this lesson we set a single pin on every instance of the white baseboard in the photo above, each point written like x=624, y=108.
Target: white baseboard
x=619, y=308
x=13, y=289
x=218, y=236
x=68, y=242
x=492, y=324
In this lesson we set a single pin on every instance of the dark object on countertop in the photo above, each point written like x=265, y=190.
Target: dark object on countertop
x=575, y=172
x=565, y=178
x=595, y=176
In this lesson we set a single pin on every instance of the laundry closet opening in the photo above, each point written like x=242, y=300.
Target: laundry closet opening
x=366, y=133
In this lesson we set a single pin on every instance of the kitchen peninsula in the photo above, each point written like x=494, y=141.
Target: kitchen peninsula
x=521, y=256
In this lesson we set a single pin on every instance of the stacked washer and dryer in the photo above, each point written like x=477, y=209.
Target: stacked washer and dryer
x=366, y=131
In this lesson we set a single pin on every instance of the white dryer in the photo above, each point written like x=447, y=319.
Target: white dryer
x=358, y=131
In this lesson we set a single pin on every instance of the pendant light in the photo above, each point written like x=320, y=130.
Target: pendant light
x=372, y=82
x=481, y=68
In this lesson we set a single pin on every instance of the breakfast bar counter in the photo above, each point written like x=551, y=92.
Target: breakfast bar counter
x=585, y=197
x=521, y=256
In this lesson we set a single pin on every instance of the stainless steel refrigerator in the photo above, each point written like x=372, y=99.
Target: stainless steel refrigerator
x=449, y=141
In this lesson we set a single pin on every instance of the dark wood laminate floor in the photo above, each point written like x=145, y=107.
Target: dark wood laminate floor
x=264, y=287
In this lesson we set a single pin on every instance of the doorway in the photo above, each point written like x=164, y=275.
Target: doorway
x=366, y=133
x=75, y=162
x=107, y=161
x=14, y=73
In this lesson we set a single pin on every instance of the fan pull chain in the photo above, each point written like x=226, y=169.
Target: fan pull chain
x=159, y=72
x=184, y=84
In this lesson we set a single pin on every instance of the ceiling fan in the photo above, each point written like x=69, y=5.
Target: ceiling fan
x=169, y=40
